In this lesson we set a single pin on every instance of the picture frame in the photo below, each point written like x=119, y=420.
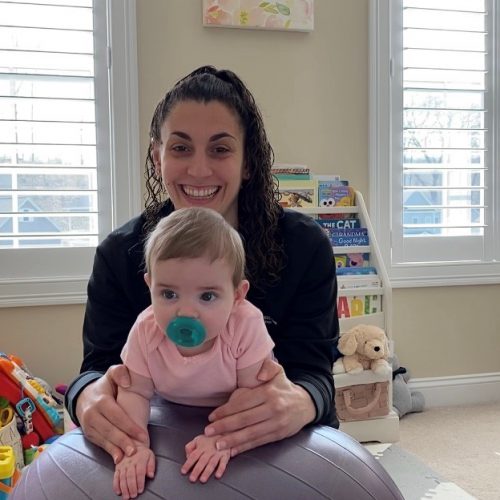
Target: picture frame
x=285, y=15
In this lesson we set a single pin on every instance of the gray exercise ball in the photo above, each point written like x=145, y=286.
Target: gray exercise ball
x=318, y=462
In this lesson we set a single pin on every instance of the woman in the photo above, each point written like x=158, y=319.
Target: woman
x=209, y=148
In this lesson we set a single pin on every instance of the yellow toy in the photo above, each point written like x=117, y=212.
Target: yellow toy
x=364, y=347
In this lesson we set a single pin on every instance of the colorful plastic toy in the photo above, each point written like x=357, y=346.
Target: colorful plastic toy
x=37, y=406
x=8, y=472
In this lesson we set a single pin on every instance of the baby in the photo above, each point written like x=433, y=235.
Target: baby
x=197, y=342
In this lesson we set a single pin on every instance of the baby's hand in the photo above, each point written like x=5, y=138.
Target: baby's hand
x=203, y=458
x=130, y=473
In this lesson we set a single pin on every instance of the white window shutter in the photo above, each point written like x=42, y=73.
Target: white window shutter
x=59, y=123
x=441, y=160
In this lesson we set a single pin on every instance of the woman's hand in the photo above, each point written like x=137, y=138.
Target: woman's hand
x=270, y=412
x=103, y=421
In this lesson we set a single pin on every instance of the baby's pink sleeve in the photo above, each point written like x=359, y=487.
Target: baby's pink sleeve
x=251, y=342
x=134, y=353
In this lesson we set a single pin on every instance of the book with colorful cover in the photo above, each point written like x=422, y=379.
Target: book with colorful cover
x=297, y=193
x=335, y=195
x=347, y=223
x=349, y=237
x=358, y=305
x=344, y=271
x=352, y=260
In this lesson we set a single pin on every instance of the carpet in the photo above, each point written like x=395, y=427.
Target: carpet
x=415, y=479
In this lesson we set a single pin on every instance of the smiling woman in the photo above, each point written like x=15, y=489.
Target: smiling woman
x=200, y=157
x=208, y=148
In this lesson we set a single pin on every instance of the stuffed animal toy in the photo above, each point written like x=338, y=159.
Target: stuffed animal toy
x=404, y=399
x=364, y=347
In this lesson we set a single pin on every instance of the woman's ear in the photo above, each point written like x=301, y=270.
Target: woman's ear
x=241, y=292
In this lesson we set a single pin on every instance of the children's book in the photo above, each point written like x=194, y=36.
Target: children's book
x=358, y=281
x=297, y=193
x=289, y=171
x=347, y=223
x=352, y=260
x=358, y=305
x=343, y=271
x=349, y=237
x=331, y=194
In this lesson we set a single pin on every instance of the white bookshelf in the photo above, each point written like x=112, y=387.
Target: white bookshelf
x=386, y=428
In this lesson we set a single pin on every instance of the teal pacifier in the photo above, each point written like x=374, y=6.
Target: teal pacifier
x=186, y=332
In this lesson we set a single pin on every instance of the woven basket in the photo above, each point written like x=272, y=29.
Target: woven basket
x=363, y=401
x=9, y=436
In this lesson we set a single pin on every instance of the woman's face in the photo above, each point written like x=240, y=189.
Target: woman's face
x=200, y=157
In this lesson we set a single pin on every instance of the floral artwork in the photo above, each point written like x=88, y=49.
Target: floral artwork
x=293, y=15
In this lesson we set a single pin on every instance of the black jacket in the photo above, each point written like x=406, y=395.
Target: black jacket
x=300, y=311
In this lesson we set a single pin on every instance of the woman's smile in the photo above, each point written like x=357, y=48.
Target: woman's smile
x=200, y=192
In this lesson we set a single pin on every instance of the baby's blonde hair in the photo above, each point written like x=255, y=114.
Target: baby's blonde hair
x=189, y=233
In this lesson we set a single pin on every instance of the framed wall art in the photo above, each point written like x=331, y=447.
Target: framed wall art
x=287, y=15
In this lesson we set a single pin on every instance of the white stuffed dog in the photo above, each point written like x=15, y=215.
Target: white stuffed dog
x=364, y=347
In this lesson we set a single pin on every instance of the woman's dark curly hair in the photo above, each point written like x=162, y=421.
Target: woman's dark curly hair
x=258, y=207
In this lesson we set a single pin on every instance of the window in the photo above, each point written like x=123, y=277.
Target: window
x=69, y=167
x=434, y=138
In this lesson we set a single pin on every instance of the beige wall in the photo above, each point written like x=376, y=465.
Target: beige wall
x=313, y=92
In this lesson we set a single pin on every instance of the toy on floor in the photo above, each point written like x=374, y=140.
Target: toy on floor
x=36, y=408
x=8, y=472
x=317, y=463
x=364, y=347
x=404, y=399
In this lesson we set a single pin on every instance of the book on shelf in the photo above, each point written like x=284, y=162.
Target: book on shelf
x=338, y=196
x=347, y=223
x=357, y=281
x=345, y=271
x=358, y=305
x=334, y=195
x=352, y=260
x=299, y=193
x=289, y=171
x=349, y=237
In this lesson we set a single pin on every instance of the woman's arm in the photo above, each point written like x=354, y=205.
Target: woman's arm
x=116, y=295
x=102, y=419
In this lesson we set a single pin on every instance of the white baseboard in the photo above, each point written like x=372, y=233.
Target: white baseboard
x=458, y=390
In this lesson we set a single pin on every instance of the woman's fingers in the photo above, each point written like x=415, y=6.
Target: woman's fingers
x=241, y=400
x=270, y=412
x=104, y=422
x=118, y=375
x=239, y=421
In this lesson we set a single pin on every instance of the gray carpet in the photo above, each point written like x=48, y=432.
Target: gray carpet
x=415, y=480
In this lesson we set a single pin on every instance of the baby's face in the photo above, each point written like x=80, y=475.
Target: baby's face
x=196, y=288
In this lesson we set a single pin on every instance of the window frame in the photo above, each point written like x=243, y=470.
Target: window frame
x=383, y=147
x=34, y=277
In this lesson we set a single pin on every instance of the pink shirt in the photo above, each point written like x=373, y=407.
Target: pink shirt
x=211, y=374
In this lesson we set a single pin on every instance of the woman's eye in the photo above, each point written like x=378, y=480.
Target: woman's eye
x=179, y=148
x=221, y=149
x=208, y=296
x=168, y=294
